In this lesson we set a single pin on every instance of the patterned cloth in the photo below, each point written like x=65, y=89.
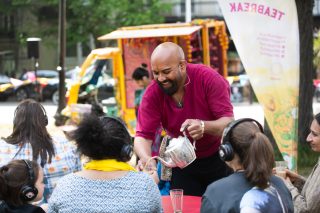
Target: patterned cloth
x=64, y=162
x=134, y=192
x=262, y=201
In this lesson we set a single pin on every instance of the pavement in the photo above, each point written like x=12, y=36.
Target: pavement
x=241, y=110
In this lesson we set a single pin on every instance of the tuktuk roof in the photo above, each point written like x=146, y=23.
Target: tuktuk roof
x=149, y=31
x=105, y=52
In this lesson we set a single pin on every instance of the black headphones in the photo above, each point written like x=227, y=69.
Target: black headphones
x=127, y=149
x=29, y=192
x=225, y=150
x=45, y=115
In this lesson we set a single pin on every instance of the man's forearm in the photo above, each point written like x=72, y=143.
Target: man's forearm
x=216, y=127
x=142, y=148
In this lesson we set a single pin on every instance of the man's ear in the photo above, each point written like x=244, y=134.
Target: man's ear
x=183, y=64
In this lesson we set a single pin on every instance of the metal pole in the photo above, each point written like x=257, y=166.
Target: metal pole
x=62, y=54
x=188, y=11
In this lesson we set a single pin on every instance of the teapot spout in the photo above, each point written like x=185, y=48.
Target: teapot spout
x=168, y=163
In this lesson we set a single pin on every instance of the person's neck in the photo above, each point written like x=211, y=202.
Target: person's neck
x=235, y=165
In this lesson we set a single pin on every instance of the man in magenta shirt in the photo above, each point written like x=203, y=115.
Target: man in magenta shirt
x=190, y=96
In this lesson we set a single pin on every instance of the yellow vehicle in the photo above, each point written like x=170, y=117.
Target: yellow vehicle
x=203, y=41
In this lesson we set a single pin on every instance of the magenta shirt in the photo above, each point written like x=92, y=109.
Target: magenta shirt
x=206, y=97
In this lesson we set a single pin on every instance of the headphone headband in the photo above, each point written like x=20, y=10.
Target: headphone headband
x=228, y=130
x=126, y=150
x=43, y=110
x=29, y=192
x=226, y=152
x=30, y=172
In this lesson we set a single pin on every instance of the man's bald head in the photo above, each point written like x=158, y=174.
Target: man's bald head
x=168, y=51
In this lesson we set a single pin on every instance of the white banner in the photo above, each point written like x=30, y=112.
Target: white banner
x=266, y=36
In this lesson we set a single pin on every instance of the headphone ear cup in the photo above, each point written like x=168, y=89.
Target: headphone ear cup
x=126, y=152
x=226, y=152
x=46, y=120
x=28, y=193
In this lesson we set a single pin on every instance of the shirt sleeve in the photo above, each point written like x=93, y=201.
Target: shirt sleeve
x=206, y=205
x=149, y=114
x=308, y=199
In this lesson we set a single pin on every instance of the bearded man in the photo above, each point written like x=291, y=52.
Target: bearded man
x=191, y=97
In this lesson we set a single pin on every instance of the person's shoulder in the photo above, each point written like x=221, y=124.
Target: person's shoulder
x=62, y=143
x=202, y=68
x=152, y=87
x=141, y=178
x=277, y=181
x=234, y=180
x=203, y=72
x=68, y=179
x=153, y=91
x=3, y=143
x=222, y=183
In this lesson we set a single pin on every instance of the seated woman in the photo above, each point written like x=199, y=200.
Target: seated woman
x=306, y=192
x=252, y=187
x=107, y=183
x=31, y=140
x=21, y=184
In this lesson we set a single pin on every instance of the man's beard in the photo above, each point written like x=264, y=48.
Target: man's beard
x=171, y=90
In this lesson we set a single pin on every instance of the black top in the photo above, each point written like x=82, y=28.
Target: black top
x=26, y=208
x=224, y=195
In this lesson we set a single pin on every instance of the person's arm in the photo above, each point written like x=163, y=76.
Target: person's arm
x=297, y=180
x=142, y=148
x=308, y=199
x=196, y=128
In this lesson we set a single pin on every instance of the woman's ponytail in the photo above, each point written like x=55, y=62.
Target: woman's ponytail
x=258, y=162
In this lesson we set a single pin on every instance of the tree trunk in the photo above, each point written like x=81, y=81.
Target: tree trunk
x=306, y=90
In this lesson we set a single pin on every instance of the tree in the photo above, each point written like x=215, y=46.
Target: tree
x=89, y=17
x=304, y=9
x=105, y=16
x=306, y=158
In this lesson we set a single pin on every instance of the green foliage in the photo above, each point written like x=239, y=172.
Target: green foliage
x=85, y=17
x=100, y=17
x=316, y=50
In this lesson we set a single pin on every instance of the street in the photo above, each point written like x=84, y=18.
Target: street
x=241, y=110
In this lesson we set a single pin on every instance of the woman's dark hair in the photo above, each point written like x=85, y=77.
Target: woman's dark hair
x=317, y=118
x=13, y=177
x=140, y=72
x=101, y=137
x=29, y=126
x=255, y=152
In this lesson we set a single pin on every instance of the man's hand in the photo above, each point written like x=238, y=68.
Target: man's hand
x=148, y=166
x=194, y=127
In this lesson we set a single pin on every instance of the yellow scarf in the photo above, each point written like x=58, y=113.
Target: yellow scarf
x=108, y=165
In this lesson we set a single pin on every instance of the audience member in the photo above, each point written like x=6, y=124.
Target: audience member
x=107, y=183
x=252, y=187
x=306, y=192
x=31, y=140
x=21, y=183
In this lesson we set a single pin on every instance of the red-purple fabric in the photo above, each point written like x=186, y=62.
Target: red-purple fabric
x=207, y=97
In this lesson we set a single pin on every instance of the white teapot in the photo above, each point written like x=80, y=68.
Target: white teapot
x=179, y=153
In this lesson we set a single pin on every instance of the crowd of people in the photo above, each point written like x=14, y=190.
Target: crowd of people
x=89, y=172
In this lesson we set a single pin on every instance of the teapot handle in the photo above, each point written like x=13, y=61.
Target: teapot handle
x=148, y=162
x=194, y=141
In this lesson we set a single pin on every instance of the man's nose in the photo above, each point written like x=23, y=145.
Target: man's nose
x=161, y=77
